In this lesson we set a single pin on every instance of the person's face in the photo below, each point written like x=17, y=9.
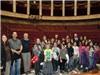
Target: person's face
x=56, y=36
x=85, y=37
x=63, y=46
x=69, y=45
x=49, y=41
x=47, y=46
x=75, y=35
x=63, y=39
x=25, y=35
x=44, y=38
x=63, y=43
x=55, y=44
x=38, y=41
x=59, y=42
x=4, y=38
x=83, y=42
x=67, y=37
x=75, y=44
x=81, y=38
x=91, y=44
x=72, y=41
x=52, y=40
x=86, y=43
x=14, y=35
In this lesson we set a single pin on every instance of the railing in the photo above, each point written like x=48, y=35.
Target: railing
x=37, y=17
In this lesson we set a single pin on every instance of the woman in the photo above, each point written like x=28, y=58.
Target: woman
x=36, y=52
x=48, y=69
x=5, y=55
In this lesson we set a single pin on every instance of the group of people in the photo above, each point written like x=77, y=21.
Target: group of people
x=12, y=51
x=69, y=54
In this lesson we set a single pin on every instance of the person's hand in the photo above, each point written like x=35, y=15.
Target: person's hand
x=1, y=67
x=60, y=60
x=18, y=52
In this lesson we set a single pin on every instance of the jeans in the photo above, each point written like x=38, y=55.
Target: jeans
x=15, y=67
x=71, y=64
x=92, y=63
x=76, y=62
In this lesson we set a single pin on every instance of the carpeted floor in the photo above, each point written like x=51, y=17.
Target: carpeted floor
x=96, y=72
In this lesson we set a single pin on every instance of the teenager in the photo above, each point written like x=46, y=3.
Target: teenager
x=70, y=51
x=56, y=53
x=48, y=68
x=83, y=56
x=91, y=56
x=76, y=55
x=62, y=58
x=40, y=48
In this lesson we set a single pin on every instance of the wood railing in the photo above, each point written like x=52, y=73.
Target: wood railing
x=37, y=17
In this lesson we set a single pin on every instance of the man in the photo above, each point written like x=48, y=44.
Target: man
x=26, y=55
x=76, y=38
x=16, y=48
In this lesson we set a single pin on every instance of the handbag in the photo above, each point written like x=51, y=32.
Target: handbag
x=35, y=59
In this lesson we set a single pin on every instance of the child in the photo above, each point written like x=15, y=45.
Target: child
x=91, y=56
x=70, y=51
x=76, y=56
x=62, y=58
x=83, y=56
x=48, y=69
x=56, y=52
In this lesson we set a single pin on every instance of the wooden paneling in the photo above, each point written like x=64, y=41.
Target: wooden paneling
x=35, y=31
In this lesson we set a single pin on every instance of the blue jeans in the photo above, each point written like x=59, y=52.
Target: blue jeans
x=15, y=67
x=92, y=63
x=71, y=63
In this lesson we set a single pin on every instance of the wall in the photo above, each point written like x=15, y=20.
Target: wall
x=35, y=31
